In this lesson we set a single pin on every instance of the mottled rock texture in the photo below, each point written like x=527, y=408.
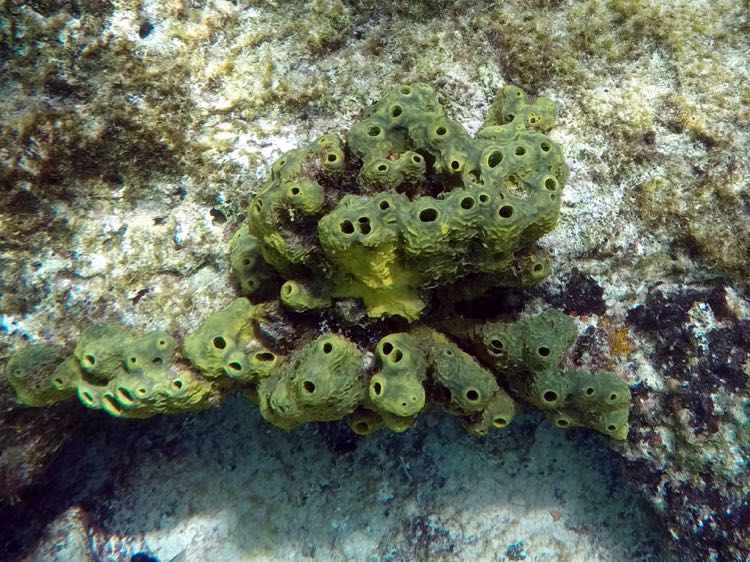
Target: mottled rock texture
x=133, y=134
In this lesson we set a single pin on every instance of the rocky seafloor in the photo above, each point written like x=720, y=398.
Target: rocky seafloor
x=132, y=135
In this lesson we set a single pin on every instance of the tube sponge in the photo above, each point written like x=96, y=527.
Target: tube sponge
x=414, y=205
x=320, y=382
x=355, y=253
x=396, y=391
x=30, y=374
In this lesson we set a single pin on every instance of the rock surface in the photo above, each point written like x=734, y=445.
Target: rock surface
x=133, y=133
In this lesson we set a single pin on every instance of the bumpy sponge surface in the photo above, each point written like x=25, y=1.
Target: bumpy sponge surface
x=407, y=214
x=408, y=204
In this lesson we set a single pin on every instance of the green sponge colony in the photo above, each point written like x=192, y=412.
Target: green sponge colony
x=396, y=392
x=408, y=204
x=326, y=377
x=30, y=374
x=225, y=344
x=527, y=355
x=321, y=382
x=408, y=212
x=111, y=369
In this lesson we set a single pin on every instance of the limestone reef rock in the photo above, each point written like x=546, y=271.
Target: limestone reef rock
x=350, y=259
x=31, y=439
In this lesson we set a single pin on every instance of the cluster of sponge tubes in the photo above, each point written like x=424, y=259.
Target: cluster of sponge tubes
x=409, y=203
x=327, y=377
x=408, y=214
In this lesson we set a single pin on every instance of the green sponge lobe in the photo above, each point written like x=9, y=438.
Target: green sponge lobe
x=30, y=373
x=218, y=346
x=397, y=389
x=321, y=382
